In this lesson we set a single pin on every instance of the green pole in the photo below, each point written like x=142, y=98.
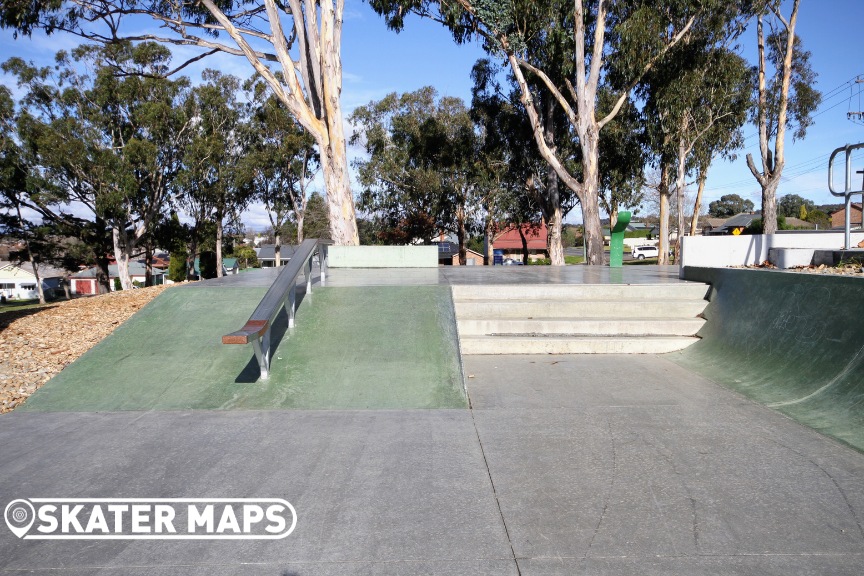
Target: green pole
x=616, y=248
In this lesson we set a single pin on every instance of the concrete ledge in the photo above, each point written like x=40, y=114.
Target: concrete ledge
x=383, y=256
x=791, y=257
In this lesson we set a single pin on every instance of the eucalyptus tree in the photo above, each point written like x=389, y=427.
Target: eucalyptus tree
x=299, y=38
x=698, y=101
x=719, y=115
x=786, y=99
x=281, y=161
x=533, y=35
x=214, y=185
x=59, y=149
x=109, y=142
x=13, y=185
x=418, y=180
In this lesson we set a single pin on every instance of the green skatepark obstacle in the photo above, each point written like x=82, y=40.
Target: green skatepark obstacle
x=616, y=243
x=382, y=347
x=791, y=341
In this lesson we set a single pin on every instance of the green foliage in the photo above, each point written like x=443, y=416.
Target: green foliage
x=117, y=285
x=207, y=264
x=419, y=174
x=177, y=266
x=756, y=226
x=281, y=158
x=246, y=257
x=729, y=205
x=791, y=206
x=819, y=218
x=804, y=98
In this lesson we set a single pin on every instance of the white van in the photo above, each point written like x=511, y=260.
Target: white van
x=642, y=252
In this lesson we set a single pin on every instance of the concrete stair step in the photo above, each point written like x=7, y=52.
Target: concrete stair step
x=534, y=309
x=581, y=326
x=671, y=291
x=472, y=345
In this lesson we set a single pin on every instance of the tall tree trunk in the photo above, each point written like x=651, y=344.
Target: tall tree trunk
x=769, y=206
x=148, y=263
x=103, y=276
x=680, y=184
x=590, y=201
x=489, y=257
x=277, y=249
x=33, y=264
x=525, y=254
x=219, y=231
x=460, y=233
x=122, y=256
x=300, y=217
x=193, y=252
x=663, y=189
x=553, y=215
x=697, y=207
x=340, y=203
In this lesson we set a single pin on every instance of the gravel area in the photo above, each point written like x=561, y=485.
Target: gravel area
x=36, y=344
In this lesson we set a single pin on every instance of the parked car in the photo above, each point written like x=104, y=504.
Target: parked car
x=512, y=262
x=642, y=252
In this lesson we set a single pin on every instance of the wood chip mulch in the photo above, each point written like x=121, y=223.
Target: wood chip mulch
x=36, y=344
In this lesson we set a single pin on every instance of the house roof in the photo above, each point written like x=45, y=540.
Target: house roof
x=135, y=269
x=268, y=251
x=535, y=235
x=855, y=206
x=714, y=222
x=740, y=220
x=45, y=271
x=798, y=223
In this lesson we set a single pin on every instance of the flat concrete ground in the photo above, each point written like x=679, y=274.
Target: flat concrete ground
x=564, y=465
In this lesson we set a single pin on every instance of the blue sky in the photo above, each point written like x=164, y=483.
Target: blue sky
x=377, y=61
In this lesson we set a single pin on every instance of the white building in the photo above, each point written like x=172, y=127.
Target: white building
x=17, y=281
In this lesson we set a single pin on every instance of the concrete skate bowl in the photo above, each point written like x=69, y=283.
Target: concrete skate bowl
x=794, y=342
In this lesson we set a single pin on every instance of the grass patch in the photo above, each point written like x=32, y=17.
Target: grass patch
x=567, y=260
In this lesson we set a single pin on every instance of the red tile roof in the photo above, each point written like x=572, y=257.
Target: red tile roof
x=510, y=239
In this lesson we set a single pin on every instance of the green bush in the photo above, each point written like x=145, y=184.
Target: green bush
x=117, y=285
x=207, y=264
x=177, y=266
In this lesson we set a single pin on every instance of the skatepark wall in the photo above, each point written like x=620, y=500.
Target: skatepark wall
x=791, y=341
x=751, y=250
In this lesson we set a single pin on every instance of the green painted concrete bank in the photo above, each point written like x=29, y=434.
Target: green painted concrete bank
x=353, y=348
x=794, y=342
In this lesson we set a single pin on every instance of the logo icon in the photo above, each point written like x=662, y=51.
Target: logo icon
x=19, y=516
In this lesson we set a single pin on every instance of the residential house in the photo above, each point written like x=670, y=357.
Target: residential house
x=267, y=254
x=711, y=224
x=18, y=282
x=838, y=218
x=448, y=254
x=736, y=224
x=84, y=282
x=512, y=240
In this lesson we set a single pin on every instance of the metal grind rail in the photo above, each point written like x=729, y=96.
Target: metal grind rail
x=282, y=293
x=847, y=191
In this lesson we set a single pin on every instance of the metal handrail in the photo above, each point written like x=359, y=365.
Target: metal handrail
x=847, y=191
x=282, y=293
